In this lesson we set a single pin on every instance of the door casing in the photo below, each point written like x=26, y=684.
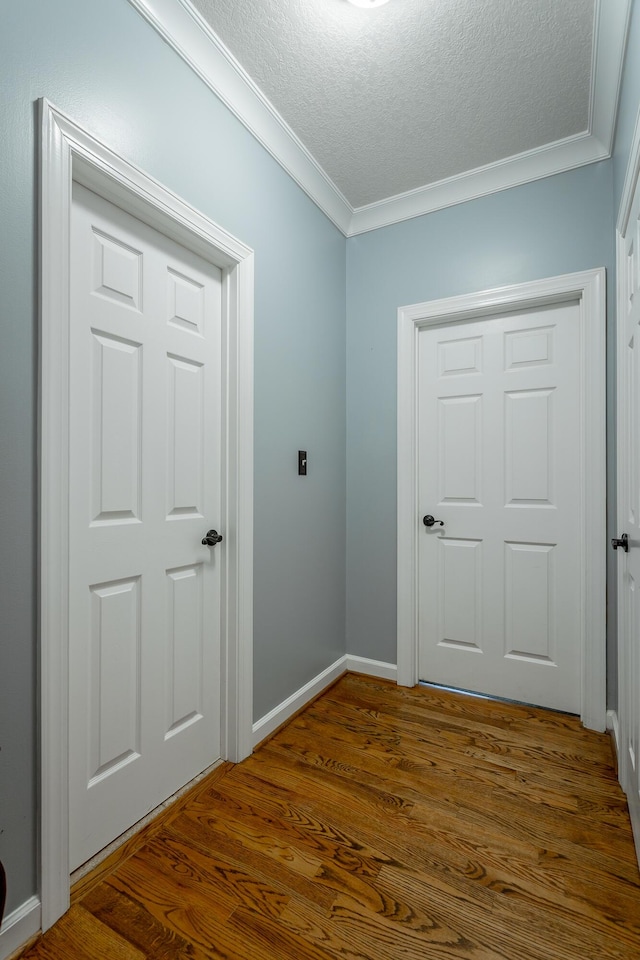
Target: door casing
x=588, y=288
x=68, y=153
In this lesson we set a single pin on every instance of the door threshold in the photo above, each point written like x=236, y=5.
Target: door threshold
x=488, y=696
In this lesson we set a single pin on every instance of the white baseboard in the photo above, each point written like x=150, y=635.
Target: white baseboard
x=614, y=726
x=372, y=668
x=271, y=721
x=19, y=927
x=284, y=711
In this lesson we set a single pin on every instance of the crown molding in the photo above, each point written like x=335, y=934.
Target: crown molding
x=186, y=31
x=182, y=27
x=512, y=172
x=611, y=23
x=610, y=32
x=630, y=180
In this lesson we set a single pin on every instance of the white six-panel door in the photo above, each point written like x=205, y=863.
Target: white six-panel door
x=145, y=475
x=499, y=606
x=629, y=508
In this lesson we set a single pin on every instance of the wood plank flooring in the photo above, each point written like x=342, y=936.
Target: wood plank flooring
x=386, y=824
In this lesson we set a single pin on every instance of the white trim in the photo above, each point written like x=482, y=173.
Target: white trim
x=589, y=289
x=614, y=726
x=372, y=668
x=630, y=181
x=610, y=33
x=535, y=164
x=186, y=31
x=611, y=22
x=68, y=153
x=621, y=429
x=284, y=711
x=19, y=927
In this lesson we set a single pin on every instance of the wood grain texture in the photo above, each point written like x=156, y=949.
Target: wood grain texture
x=381, y=823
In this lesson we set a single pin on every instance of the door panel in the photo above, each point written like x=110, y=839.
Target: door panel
x=114, y=699
x=185, y=437
x=116, y=430
x=530, y=614
x=460, y=444
x=145, y=481
x=185, y=647
x=498, y=449
x=460, y=593
x=528, y=447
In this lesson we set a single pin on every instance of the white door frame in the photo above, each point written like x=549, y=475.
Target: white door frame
x=69, y=153
x=588, y=288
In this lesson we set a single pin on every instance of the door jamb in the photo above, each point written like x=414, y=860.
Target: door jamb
x=68, y=153
x=588, y=288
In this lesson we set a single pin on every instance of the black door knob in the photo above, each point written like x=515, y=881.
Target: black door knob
x=211, y=538
x=622, y=542
x=429, y=521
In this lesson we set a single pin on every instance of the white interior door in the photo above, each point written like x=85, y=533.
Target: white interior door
x=629, y=510
x=145, y=486
x=499, y=608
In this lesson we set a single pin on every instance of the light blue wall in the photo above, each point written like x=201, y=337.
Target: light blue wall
x=101, y=63
x=543, y=229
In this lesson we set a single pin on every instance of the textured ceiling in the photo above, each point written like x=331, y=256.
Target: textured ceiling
x=390, y=99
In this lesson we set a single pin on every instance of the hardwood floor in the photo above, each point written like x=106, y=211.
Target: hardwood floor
x=381, y=823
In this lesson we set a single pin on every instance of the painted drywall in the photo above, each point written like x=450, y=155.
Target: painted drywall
x=554, y=226
x=108, y=69
x=629, y=105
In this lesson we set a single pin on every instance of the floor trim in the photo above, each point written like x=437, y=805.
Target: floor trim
x=264, y=727
x=372, y=668
x=270, y=722
x=614, y=726
x=19, y=927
